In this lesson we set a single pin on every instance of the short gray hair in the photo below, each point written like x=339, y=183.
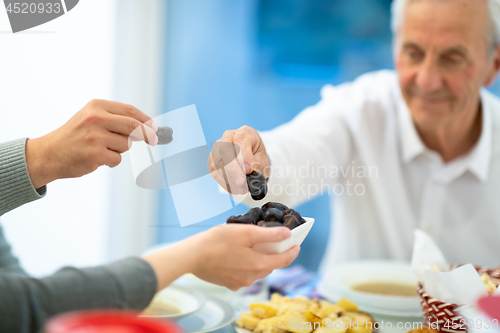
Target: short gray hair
x=398, y=12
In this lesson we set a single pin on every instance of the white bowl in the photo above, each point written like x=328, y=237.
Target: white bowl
x=298, y=235
x=338, y=282
x=186, y=300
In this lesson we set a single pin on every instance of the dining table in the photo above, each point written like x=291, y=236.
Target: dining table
x=241, y=299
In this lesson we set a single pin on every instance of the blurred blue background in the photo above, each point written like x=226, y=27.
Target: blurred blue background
x=259, y=63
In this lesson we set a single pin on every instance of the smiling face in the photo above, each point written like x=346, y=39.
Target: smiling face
x=443, y=58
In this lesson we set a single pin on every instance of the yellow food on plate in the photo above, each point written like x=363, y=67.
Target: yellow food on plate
x=364, y=322
x=311, y=317
x=248, y=321
x=331, y=311
x=332, y=328
x=262, y=310
x=347, y=304
x=303, y=315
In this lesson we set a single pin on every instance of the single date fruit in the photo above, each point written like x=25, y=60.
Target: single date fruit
x=294, y=212
x=257, y=185
x=276, y=205
x=291, y=221
x=273, y=215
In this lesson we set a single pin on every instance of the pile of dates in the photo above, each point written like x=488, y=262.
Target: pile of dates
x=272, y=214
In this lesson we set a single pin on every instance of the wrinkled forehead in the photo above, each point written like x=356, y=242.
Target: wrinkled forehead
x=443, y=23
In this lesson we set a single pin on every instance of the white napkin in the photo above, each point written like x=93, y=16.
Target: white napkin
x=460, y=286
x=426, y=254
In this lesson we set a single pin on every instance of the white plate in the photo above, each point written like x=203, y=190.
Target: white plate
x=187, y=300
x=298, y=235
x=337, y=283
x=214, y=315
x=331, y=297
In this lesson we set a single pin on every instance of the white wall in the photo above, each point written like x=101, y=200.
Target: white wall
x=47, y=74
x=140, y=41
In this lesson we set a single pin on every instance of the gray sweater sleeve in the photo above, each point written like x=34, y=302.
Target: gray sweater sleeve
x=26, y=303
x=8, y=262
x=16, y=188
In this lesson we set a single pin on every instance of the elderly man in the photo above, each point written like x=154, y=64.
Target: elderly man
x=414, y=148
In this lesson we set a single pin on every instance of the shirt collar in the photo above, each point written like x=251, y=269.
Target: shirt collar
x=480, y=156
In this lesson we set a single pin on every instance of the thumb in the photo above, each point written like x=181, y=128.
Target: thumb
x=282, y=260
x=266, y=235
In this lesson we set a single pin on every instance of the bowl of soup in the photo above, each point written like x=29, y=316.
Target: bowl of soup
x=174, y=302
x=384, y=287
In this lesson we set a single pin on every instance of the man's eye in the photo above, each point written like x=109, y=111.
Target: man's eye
x=452, y=60
x=413, y=54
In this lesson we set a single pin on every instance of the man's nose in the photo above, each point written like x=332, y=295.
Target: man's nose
x=429, y=77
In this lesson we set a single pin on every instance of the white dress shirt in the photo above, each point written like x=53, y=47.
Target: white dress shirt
x=366, y=125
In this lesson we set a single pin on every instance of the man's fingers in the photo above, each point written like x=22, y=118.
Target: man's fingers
x=128, y=110
x=230, y=137
x=117, y=142
x=226, y=164
x=227, y=136
x=218, y=174
x=258, y=235
x=111, y=158
x=236, y=177
x=133, y=128
x=232, y=158
x=244, y=142
x=149, y=136
x=221, y=179
x=151, y=123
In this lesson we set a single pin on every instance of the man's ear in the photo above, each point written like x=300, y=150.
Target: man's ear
x=495, y=67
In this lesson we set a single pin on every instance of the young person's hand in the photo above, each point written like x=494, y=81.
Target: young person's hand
x=223, y=255
x=93, y=137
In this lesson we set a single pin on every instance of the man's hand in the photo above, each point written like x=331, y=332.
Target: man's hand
x=223, y=255
x=235, y=155
x=94, y=136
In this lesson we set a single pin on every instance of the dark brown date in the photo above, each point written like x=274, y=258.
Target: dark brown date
x=276, y=205
x=165, y=135
x=291, y=221
x=273, y=215
x=239, y=219
x=253, y=216
x=295, y=213
x=257, y=185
